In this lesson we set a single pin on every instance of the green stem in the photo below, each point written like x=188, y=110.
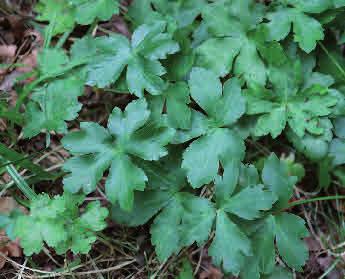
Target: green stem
x=92, y=27
x=335, y=62
x=12, y=116
x=26, y=91
x=300, y=202
x=21, y=183
x=330, y=268
x=30, y=87
x=63, y=39
x=49, y=31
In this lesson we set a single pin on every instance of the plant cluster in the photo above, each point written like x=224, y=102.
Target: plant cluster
x=206, y=77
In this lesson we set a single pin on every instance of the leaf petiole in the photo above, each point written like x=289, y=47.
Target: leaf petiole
x=300, y=202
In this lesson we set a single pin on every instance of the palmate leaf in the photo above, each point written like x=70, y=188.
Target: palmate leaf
x=231, y=41
x=64, y=14
x=175, y=100
x=52, y=105
x=183, y=218
x=184, y=12
x=275, y=176
x=307, y=30
x=217, y=141
x=140, y=57
x=297, y=100
x=56, y=221
x=165, y=179
x=192, y=57
x=59, y=12
x=178, y=13
x=55, y=100
x=87, y=11
x=186, y=219
x=315, y=147
x=232, y=246
x=96, y=149
x=180, y=64
x=141, y=12
x=287, y=231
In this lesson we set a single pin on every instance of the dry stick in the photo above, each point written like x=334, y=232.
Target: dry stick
x=51, y=274
x=307, y=217
x=22, y=269
x=102, y=270
x=199, y=262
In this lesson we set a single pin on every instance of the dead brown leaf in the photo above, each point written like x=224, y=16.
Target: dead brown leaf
x=313, y=244
x=211, y=273
x=29, y=62
x=8, y=51
x=209, y=270
x=117, y=25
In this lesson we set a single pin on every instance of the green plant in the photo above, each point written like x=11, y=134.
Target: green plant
x=206, y=77
x=57, y=222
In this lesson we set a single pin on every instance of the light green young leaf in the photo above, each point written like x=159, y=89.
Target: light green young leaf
x=52, y=105
x=315, y=147
x=64, y=14
x=60, y=13
x=87, y=11
x=299, y=103
x=51, y=61
x=56, y=222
